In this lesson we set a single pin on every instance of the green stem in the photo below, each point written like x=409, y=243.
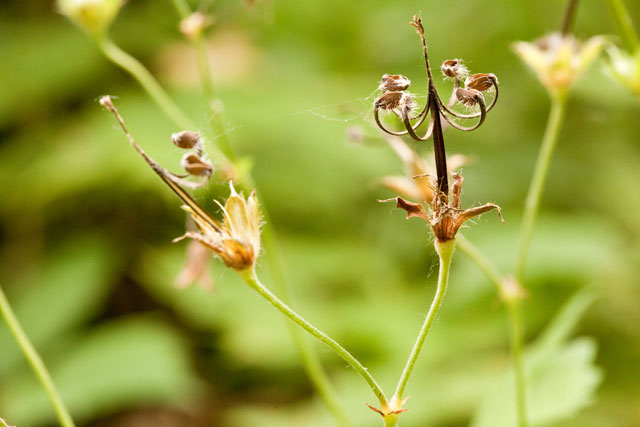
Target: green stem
x=482, y=262
x=445, y=252
x=516, y=338
x=624, y=25
x=252, y=280
x=310, y=360
x=558, y=105
x=148, y=82
x=35, y=361
x=206, y=80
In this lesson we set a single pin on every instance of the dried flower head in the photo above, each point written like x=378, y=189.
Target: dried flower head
x=454, y=69
x=236, y=241
x=93, y=16
x=444, y=218
x=559, y=59
x=394, y=82
x=481, y=82
x=624, y=68
x=435, y=112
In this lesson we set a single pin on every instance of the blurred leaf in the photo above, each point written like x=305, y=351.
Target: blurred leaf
x=120, y=365
x=561, y=378
x=68, y=290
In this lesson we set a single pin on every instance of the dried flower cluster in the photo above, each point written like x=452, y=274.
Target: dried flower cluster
x=235, y=240
x=468, y=90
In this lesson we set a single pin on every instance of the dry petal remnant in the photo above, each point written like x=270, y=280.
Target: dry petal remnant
x=445, y=218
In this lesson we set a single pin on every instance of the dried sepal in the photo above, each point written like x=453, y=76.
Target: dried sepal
x=444, y=218
x=196, y=267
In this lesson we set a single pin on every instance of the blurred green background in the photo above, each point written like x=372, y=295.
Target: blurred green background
x=86, y=227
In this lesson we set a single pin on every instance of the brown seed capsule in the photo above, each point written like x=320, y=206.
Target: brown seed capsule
x=481, y=81
x=196, y=166
x=469, y=97
x=454, y=69
x=393, y=82
x=392, y=100
x=185, y=139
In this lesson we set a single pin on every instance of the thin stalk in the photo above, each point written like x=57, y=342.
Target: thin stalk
x=516, y=339
x=251, y=279
x=148, y=82
x=445, y=252
x=624, y=25
x=569, y=14
x=36, y=363
x=310, y=360
x=481, y=261
x=206, y=80
x=558, y=106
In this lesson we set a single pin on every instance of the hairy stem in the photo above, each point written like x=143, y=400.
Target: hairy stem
x=558, y=106
x=310, y=360
x=445, y=252
x=36, y=363
x=206, y=80
x=624, y=25
x=146, y=80
x=250, y=278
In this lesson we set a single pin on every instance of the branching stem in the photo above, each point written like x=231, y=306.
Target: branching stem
x=251, y=279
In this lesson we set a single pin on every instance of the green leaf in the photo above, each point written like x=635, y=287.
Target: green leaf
x=69, y=288
x=122, y=364
x=561, y=377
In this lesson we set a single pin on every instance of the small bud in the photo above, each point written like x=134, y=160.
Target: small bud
x=454, y=69
x=196, y=166
x=481, y=81
x=394, y=82
x=93, y=16
x=194, y=25
x=625, y=68
x=469, y=97
x=393, y=100
x=186, y=139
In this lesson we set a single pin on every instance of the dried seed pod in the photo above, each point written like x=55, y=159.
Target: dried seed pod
x=469, y=97
x=454, y=69
x=394, y=82
x=195, y=165
x=186, y=139
x=393, y=100
x=481, y=81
